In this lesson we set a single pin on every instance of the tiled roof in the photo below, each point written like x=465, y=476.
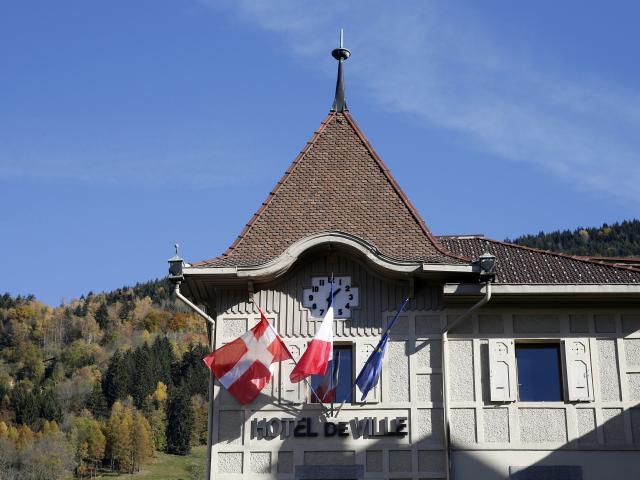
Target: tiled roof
x=516, y=264
x=336, y=183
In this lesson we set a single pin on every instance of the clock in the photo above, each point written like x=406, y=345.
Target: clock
x=345, y=296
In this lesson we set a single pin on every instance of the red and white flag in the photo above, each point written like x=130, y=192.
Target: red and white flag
x=315, y=359
x=244, y=366
x=326, y=392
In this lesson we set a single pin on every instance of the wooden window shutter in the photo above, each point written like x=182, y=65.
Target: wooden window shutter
x=502, y=367
x=578, y=366
x=292, y=392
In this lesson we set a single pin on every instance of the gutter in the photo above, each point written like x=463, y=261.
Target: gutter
x=211, y=330
x=461, y=289
x=445, y=380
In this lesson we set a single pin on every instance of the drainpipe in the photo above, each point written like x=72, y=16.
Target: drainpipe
x=192, y=305
x=445, y=379
x=211, y=330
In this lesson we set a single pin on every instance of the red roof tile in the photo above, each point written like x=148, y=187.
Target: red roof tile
x=336, y=183
x=516, y=264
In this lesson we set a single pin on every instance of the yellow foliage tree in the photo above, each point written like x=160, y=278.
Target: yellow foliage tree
x=12, y=434
x=142, y=442
x=129, y=437
x=161, y=394
x=120, y=431
x=25, y=437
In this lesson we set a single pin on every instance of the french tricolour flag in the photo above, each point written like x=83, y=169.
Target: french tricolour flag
x=326, y=392
x=245, y=365
x=315, y=359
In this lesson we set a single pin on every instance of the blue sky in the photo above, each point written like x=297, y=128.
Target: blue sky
x=126, y=126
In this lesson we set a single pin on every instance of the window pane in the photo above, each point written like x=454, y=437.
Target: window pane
x=326, y=387
x=539, y=372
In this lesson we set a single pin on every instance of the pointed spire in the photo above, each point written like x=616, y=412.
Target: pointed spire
x=340, y=54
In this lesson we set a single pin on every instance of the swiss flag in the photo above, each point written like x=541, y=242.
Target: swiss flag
x=244, y=366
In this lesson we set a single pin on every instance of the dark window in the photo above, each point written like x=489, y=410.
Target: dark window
x=539, y=378
x=336, y=385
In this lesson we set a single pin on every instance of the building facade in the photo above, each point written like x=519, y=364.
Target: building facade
x=529, y=370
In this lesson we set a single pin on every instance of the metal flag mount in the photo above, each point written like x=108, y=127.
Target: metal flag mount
x=370, y=373
x=340, y=54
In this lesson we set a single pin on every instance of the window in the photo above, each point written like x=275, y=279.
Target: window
x=538, y=368
x=336, y=385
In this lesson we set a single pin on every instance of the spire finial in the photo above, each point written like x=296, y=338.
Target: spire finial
x=340, y=54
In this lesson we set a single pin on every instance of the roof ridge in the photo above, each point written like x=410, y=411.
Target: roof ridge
x=272, y=193
x=561, y=255
x=394, y=184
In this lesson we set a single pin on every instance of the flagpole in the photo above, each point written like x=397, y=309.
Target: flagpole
x=387, y=331
x=293, y=359
x=333, y=363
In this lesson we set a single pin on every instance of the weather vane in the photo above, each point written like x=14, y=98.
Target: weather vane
x=340, y=54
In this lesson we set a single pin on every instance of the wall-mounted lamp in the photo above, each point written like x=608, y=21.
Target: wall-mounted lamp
x=487, y=267
x=175, y=267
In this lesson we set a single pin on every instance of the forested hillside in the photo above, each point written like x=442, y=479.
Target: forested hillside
x=615, y=240
x=99, y=383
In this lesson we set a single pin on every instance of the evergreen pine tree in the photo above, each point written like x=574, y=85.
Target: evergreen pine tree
x=25, y=405
x=49, y=406
x=180, y=419
x=78, y=311
x=146, y=377
x=162, y=358
x=192, y=372
x=97, y=403
x=125, y=309
x=102, y=316
x=118, y=378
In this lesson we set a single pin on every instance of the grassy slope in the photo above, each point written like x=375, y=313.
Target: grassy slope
x=170, y=467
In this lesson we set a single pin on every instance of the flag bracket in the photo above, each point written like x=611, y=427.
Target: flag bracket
x=250, y=290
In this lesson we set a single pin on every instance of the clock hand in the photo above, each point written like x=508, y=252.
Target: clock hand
x=334, y=294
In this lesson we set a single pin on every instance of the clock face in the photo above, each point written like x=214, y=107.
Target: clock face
x=345, y=296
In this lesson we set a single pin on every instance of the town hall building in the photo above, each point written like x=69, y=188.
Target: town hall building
x=506, y=363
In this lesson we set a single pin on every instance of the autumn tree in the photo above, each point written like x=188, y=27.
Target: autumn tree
x=88, y=443
x=156, y=413
x=9, y=459
x=156, y=320
x=96, y=444
x=158, y=421
x=119, y=437
x=200, y=417
x=29, y=361
x=142, y=440
x=48, y=457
